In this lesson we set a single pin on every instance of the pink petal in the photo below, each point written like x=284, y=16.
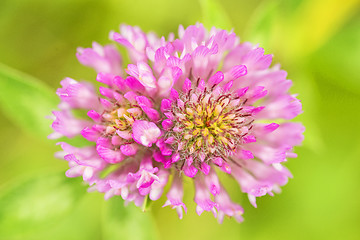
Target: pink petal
x=129, y=149
x=145, y=133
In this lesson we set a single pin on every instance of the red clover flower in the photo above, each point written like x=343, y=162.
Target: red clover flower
x=186, y=107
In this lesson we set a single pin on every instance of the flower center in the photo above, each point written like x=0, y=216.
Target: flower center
x=208, y=125
x=121, y=118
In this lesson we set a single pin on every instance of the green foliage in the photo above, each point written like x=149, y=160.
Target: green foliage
x=214, y=15
x=126, y=222
x=26, y=101
x=338, y=59
x=262, y=26
x=316, y=41
x=38, y=204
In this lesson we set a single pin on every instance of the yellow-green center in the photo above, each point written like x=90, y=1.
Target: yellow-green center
x=209, y=126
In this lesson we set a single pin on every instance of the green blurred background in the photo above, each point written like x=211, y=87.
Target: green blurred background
x=316, y=41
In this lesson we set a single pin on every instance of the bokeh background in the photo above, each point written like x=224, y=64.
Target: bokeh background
x=316, y=41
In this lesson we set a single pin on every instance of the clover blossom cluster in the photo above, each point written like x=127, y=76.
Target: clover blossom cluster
x=187, y=107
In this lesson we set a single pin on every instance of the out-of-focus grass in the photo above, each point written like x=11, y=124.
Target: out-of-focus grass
x=317, y=42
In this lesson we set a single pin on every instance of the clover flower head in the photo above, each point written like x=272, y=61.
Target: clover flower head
x=186, y=107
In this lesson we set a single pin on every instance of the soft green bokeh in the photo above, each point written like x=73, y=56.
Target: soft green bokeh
x=316, y=41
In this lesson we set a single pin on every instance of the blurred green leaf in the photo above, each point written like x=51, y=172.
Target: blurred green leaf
x=315, y=21
x=82, y=223
x=26, y=100
x=338, y=60
x=126, y=222
x=214, y=15
x=262, y=26
x=37, y=204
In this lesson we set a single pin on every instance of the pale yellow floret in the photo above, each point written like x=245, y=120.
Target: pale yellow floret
x=188, y=136
x=205, y=132
x=224, y=140
x=180, y=116
x=239, y=120
x=107, y=116
x=225, y=101
x=196, y=131
x=211, y=139
x=120, y=112
x=199, y=122
x=230, y=117
x=217, y=130
x=208, y=111
x=189, y=111
x=110, y=130
x=218, y=110
x=199, y=142
x=192, y=149
x=199, y=109
x=121, y=125
x=234, y=130
x=129, y=119
x=189, y=124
